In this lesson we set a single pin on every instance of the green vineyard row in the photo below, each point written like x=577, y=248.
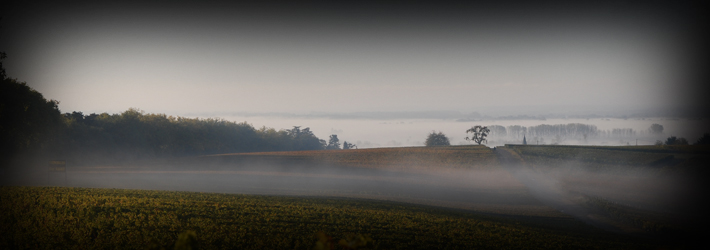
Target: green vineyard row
x=85, y=218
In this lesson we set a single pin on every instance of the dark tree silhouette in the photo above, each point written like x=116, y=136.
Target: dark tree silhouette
x=347, y=145
x=2, y=69
x=676, y=141
x=333, y=142
x=28, y=121
x=656, y=129
x=479, y=134
x=304, y=139
x=705, y=140
x=437, y=139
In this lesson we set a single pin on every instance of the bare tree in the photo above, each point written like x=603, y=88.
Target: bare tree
x=479, y=134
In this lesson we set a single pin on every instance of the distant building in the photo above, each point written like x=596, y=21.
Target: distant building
x=525, y=142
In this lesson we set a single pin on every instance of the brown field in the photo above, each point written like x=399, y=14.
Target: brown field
x=405, y=159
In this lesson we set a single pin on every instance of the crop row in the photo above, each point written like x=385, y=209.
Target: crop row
x=51, y=217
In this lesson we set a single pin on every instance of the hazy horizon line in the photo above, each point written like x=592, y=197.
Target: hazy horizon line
x=460, y=116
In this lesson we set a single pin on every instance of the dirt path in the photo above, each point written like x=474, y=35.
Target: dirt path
x=548, y=191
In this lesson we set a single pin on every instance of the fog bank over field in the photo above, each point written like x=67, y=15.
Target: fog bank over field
x=511, y=188
x=490, y=191
x=375, y=132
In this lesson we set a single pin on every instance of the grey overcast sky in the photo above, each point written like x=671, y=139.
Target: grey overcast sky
x=210, y=57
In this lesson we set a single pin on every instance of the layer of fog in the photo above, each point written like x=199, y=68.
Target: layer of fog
x=639, y=188
x=512, y=190
x=494, y=191
x=669, y=197
x=372, y=133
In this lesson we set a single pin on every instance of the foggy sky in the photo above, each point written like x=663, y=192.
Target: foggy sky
x=180, y=58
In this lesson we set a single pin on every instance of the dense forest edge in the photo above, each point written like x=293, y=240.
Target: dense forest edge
x=32, y=127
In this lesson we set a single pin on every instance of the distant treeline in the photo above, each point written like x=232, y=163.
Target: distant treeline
x=579, y=132
x=32, y=126
x=544, y=130
x=134, y=133
x=558, y=133
x=571, y=130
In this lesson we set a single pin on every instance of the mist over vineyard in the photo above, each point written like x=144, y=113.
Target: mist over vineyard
x=472, y=179
x=261, y=125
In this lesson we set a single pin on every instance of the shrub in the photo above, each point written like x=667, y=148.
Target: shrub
x=437, y=139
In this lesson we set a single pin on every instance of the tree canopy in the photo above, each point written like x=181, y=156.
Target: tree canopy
x=28, y=121
x=479, y=134
x=676, y=141
x=436, y=139
x=333, y=142
x=134, y=134
x=655, y=128
x=704, y=140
